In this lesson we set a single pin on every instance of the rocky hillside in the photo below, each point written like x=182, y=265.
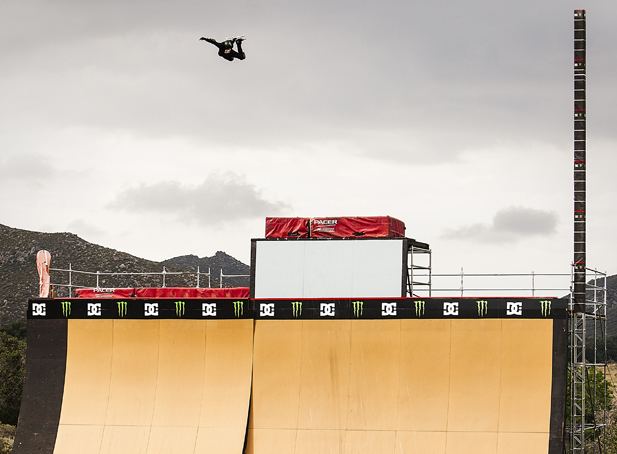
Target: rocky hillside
x=220, y=261
x=19, y=279
x=611, y=311
x=611, y=307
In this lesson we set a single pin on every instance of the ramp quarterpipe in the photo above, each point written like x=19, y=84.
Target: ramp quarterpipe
x=338, y=376
x=402, y=386
x=152, y=386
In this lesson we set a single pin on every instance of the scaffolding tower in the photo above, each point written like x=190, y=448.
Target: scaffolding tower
x=587, y=371
x=419, y=268
x=587, y=416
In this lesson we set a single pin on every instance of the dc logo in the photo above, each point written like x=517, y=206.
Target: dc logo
x=514, y=308
x=94, y=309
x=208, y=309
x=388, y=309
x=450, y=309
x=326, y=310
x=151, y=309
x=266, y=309
x=39, y=309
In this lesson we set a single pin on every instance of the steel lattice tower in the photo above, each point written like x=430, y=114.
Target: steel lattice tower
x=580, y=157
x=578, y=427
x=578, y=297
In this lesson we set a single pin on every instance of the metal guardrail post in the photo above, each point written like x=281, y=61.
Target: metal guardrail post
x=70, y=281
x=533, y=283
x=411, y=292
x=430, y=273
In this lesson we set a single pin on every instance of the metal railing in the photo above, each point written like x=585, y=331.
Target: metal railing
x=524, y=284
x=223, y=276
x=457, y=281
x=160, y=278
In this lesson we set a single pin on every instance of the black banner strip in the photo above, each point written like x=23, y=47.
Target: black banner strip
x=302, y=309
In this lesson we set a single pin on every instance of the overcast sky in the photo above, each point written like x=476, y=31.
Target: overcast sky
x=118, y=124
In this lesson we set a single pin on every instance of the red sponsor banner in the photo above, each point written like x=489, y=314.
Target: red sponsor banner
x=287, y=227
x=357, y=227
x=192, y=292
x=105, y=292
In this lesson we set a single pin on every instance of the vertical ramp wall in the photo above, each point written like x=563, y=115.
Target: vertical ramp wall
x=156, y=386
x=43, y=387
x=402, y=386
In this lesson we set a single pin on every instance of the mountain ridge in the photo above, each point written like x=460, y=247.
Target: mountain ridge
x=19, y=278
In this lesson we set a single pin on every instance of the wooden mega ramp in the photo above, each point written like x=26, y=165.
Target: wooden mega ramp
x=340, y=376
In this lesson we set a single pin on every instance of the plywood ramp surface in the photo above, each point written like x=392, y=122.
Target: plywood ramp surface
x=156, y=386
x=401, y=386
x=525, y=377
x=475, y=372
x=422, y=402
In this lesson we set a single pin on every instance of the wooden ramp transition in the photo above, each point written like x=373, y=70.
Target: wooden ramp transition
x=164, y=386
x=402, y=387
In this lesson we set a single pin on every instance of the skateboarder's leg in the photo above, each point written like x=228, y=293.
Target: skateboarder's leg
x=227, y=56
x=240, y=55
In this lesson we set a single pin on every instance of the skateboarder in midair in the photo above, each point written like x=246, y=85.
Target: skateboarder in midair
x=226, y=48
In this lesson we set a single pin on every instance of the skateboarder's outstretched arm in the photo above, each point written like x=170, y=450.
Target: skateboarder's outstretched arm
x=211, y=41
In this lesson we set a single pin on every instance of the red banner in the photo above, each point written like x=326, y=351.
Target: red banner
x=192, y=292
x=357, y=227
x=167, y=292
x=104, y=292
x=287, y=227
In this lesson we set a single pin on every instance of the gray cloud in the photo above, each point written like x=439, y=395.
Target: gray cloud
x=116, y=87
x=433, y=78
x=84, y=228
x=26, y=167
x=219, y=199
x=509, y=225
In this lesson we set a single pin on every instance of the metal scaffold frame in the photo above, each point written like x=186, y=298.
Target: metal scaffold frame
x=418, y=269
x=588, y=364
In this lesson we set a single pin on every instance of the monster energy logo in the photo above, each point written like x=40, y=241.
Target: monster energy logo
x=179, y=308
x=546, y=307
x=66, y=308
x=358, y=308
x=296, y=307
x=482, y=307
x=419, y=308
x=122, y=306
x=238, y=309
